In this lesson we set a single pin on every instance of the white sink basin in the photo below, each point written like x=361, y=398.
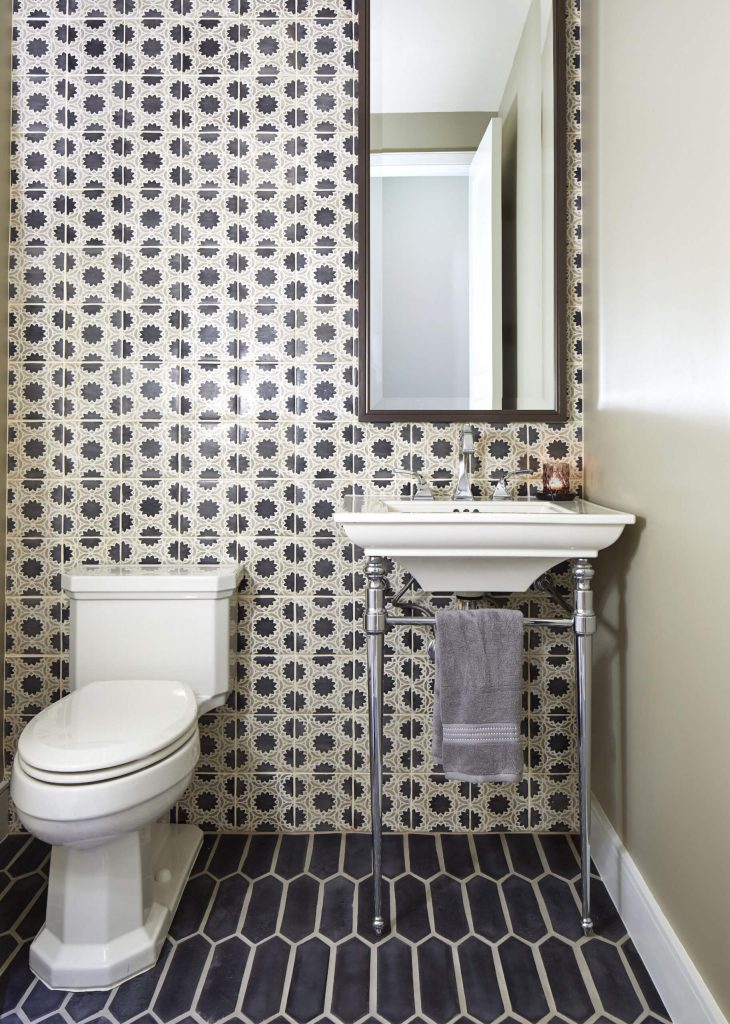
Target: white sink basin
x=482, y=545
x=492, y=508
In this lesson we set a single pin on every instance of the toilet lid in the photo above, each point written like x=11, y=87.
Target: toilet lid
x=108, y=723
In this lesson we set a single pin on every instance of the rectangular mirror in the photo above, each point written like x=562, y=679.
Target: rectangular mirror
x=462, y=197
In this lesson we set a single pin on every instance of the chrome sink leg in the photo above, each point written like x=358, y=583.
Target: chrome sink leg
x=585, y=627
x=375, y=623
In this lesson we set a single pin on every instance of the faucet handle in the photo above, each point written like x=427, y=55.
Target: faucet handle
x=500, y=492
x=421, y=489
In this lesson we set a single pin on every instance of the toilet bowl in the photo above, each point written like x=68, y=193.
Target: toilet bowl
x=95, y=771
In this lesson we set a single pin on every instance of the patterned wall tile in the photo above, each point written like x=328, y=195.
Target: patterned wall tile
x=182, y=387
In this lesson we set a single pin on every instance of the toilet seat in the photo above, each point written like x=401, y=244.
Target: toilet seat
x=101, y=775
x=108, y=729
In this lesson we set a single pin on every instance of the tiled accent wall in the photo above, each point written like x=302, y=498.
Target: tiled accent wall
x=182, y=388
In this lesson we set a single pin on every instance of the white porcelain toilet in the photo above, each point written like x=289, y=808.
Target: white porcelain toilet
x=151, y=651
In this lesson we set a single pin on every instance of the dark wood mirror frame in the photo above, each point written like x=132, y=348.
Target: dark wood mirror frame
x=555, y=415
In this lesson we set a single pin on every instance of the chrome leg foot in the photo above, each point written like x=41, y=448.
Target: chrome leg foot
x=378, y=925
x=587, y=925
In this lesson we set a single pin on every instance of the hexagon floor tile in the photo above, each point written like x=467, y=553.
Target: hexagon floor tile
x=276, y=929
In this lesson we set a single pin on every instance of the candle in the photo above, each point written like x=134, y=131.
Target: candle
x=556, y=477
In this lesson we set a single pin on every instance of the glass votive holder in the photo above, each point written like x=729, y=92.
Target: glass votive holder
x=556, y=477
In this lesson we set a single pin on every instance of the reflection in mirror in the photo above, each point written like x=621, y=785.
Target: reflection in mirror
x=462, y=182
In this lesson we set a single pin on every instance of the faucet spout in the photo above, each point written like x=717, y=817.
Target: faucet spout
x=462, y=491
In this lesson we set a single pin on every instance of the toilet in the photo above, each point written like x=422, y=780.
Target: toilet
x=151, y=651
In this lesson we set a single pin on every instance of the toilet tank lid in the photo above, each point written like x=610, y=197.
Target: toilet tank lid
x=151, y=579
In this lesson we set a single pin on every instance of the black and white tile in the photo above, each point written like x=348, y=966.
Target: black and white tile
x=276, y=928
x=183, y=388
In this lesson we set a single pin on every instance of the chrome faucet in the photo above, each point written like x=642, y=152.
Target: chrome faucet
x=500, y=492
x=421, y=490
x=466, y=451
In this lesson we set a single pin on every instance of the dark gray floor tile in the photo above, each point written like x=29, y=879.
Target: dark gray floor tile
x=351, y=991
x=411, y=913
x=292, y=856
x=41, y=1001
x=562, y=908
x=358, y=855
x=525, y=858
x=394, y=861
x=8, y=946
x=486, y=908
x=226, y=909
x=325, y=855
x=365, y=908
x=11, y=846
x=567, y=985
x=560, y=856
x=394, y=981
x=439, y=995
x=458, y=860
x=527, y=998
x=449, y=915
x=206, y=848
x=264, y=991
x=192, y=907
x=490, y=856
x=338, y=898
x=29, y=925
x=301, y=908
x=424, y=860
x=259, y=856
x=308, y=981
x=643, y=979
x=226, y=856
x=479, y=978
x=263, y=908
x=30, y=857
x=18, y=898
x=181, y=978
x=82, y=1005
x=523, y=909
x=606, y=920
x=219, y=995
x=479, y=900
x=611, y=980
x=133, y=997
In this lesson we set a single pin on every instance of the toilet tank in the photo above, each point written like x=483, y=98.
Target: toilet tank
x=154, y=622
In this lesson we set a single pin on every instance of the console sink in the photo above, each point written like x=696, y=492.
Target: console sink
x=489, y=546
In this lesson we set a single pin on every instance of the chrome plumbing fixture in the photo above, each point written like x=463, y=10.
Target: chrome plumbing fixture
x=462, y=491
x=581, y=620
x=500, y=492
x=421, y=489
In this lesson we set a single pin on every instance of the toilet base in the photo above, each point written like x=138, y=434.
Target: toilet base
x=110, y=906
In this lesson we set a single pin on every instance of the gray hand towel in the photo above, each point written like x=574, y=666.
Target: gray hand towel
x=477, y=697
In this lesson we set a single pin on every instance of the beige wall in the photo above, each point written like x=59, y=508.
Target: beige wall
x=657, y=262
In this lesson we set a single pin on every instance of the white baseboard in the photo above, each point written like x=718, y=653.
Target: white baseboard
x=4, y=807
x=678, y=981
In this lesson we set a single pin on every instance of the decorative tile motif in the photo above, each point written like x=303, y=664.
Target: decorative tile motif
x=482, y=929
x=183, y=388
